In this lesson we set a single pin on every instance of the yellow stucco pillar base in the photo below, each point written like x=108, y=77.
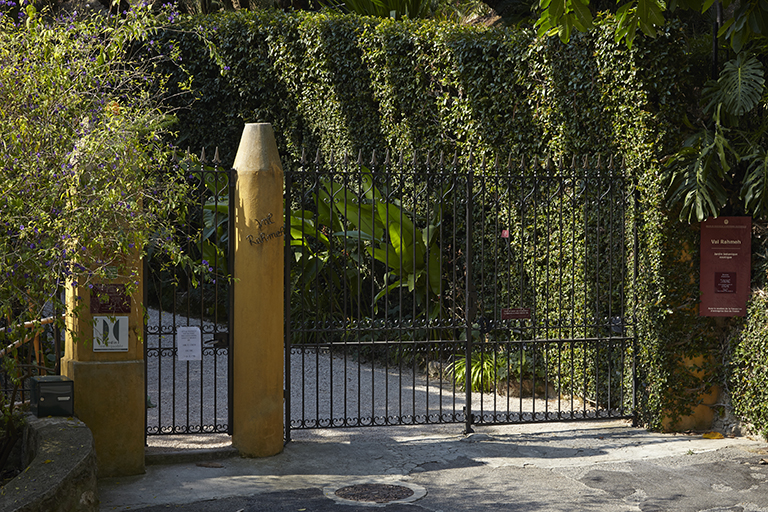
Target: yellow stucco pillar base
x=257, y=425
x=109, y=398
x=110, y=395
x=703, y=415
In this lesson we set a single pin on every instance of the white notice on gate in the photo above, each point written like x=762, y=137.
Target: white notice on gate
x=189, y=343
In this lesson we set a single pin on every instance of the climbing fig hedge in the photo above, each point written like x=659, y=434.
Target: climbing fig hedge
x=347, y=84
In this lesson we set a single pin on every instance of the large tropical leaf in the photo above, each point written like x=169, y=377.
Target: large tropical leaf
x=754, y=190
x=739, y=87
x=698, y=172
x=349, y=205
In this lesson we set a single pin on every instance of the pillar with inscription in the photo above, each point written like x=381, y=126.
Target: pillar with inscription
x=104, y=357
x=257, y=415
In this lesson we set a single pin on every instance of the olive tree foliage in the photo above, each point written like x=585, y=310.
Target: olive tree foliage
x=723, y=165
x=81, y=142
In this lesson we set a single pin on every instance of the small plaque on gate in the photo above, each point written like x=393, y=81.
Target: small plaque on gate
x=515, y=313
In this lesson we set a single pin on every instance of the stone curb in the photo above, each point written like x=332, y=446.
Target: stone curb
x=61, y=469
x=157, y=458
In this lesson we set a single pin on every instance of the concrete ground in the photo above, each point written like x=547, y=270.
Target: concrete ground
x=587, y=466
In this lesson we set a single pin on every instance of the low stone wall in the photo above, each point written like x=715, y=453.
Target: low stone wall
x=60, y=474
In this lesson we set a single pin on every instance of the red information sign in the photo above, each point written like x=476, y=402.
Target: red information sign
x=724, y=278
x=110, y=299
x=515, y=313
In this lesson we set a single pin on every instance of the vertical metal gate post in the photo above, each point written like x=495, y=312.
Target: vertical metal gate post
x=471, y=305
x=287, y=309
x=635, y=258
x=231, y=300
x=144, y=332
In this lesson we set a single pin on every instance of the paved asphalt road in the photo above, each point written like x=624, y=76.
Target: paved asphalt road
x=582, y=467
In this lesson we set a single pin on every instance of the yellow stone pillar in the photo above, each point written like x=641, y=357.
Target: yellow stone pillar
x=104, y=356
x=702, y=415
x=258, y=295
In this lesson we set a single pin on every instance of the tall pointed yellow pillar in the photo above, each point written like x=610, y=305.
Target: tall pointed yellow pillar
x=104, y=356
x=257, y=423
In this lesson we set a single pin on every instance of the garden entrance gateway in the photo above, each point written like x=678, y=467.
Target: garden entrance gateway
x=187, y=335
x=458, y=292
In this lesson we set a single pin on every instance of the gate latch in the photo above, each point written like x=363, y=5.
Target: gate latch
x=220, y=340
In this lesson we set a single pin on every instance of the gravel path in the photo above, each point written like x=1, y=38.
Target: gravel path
x=184, y=393
x=325, y=389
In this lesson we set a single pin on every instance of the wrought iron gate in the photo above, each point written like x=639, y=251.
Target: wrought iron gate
x=428, y=292
x=187, y=394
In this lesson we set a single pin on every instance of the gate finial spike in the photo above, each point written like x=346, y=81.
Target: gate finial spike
x=509, y=162
x=318, y=157
x=387, y=161
x=303, y=160
x=560, y=163
x=429, y=162
x=535, y=164
x=415, y=159
x=374, y=161
x=442, y=159
x=359, y=158
x=216, y=159
x=610, y=162
x=496, y=162
x=586, y=162
x=573, y=163
x=471, y=157
x=455, y=163
x=599, y=162
x=522, y=162
x=401, y=161
x=549, y=164
x=202, y=156
x=332, y=159
x=482, y=165
x=345, y=161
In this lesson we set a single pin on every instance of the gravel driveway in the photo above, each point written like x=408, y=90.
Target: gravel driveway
x=326, y=389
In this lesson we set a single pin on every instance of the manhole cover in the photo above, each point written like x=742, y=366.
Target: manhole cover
x=375, y=493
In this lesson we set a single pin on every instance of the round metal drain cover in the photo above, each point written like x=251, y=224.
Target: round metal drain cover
x=374, y=493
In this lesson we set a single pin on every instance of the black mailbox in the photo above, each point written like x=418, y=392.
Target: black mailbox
x=53, y=395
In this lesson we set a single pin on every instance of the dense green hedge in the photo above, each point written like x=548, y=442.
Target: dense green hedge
x=748, y=342
x=349, y=83
x=346, y=83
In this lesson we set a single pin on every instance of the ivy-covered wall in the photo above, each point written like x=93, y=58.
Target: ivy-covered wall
x=345, y=83
x=747, y=342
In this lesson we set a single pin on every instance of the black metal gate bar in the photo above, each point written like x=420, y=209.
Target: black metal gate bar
x=287, y=375
x=185, y=397
x=400, y=280
x=471, y=302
